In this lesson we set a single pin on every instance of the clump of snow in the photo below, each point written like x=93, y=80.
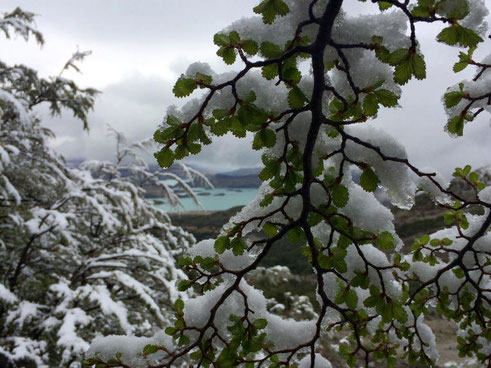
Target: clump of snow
x=427, y=338
x=485, y=194
x=6, y=295
x=366, y=211
x=285, y=333
x=319, y=362
x=475, y=20
x=395, y=178
x=206, y=248
x=428, y=186
x=73, y=320
x=130, y=347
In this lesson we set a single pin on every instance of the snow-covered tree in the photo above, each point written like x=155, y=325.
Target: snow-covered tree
x=81, y=251
x=312, y=81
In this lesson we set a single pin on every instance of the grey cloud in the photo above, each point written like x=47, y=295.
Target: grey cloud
x=227, y=153
x=136, y=106
x=132, y=35
x=155, y=22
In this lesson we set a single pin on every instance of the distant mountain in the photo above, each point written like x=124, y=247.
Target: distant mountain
x=246, y=171
x=240, y=178
x=230, y=181
x=74, y=163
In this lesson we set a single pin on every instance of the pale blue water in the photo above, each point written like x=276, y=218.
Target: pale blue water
x=218, y=200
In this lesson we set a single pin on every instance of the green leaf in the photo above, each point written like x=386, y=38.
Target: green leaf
x=360, y=280
x=220, y=113
x=267, y=200
x=383, y=5
x=268, y=137
x=296, y=98
x=150, y=349
x=181, y=152
x=423, y=240
x=250, y=47
x=385, y=241
x=237, y=128
x=185, y=261
x=257, y=143
x=452, y=98
x=459, y=66
x=453, y=9
x=183, y=285
x=292, y=75
x=170, y=331
x=435, y=242
x=458, y=35
x=238, y=246
x=403, y=73
x=184, y=87
x=270, y=229
x=270, y=50
x=221, y=39
x=398, y=56
x=251, y=114
x=339, y=195
x=408, y=65
x=196, y=355
x=260, y=323
x=473, y=177
x=269, y=9
x=270, y=72
x=165, y=157
x=383, y=54
x=458, y=272
x=370, y=104
x=222, y=244
x=386, y=98
x=419, y=66
x=314, y=219
x=227, y=54
x=221, y=127
x=203, y=78
x=371, y=301
x=179, y=305
x=295, y=235
x=421, y=11
x=455, y=125
x=207, y=263
x=343, y=241
x=399, y=313
x=183, y=340
x=351, y=299
x=90, y=361
x=193, y=132
x=234, y=38
x=369, y=180
x=271, y=168
x=447, y=241
x=163, y=136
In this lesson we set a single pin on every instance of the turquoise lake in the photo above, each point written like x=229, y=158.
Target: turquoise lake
x=218, y=199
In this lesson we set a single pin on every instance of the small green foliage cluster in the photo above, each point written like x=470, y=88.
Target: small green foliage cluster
x=246, y=340
x=470, y=177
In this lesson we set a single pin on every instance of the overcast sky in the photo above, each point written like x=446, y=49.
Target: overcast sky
x=141, y=47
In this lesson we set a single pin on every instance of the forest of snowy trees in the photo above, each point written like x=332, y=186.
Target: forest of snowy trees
x=93, y=274
x=82, y=251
